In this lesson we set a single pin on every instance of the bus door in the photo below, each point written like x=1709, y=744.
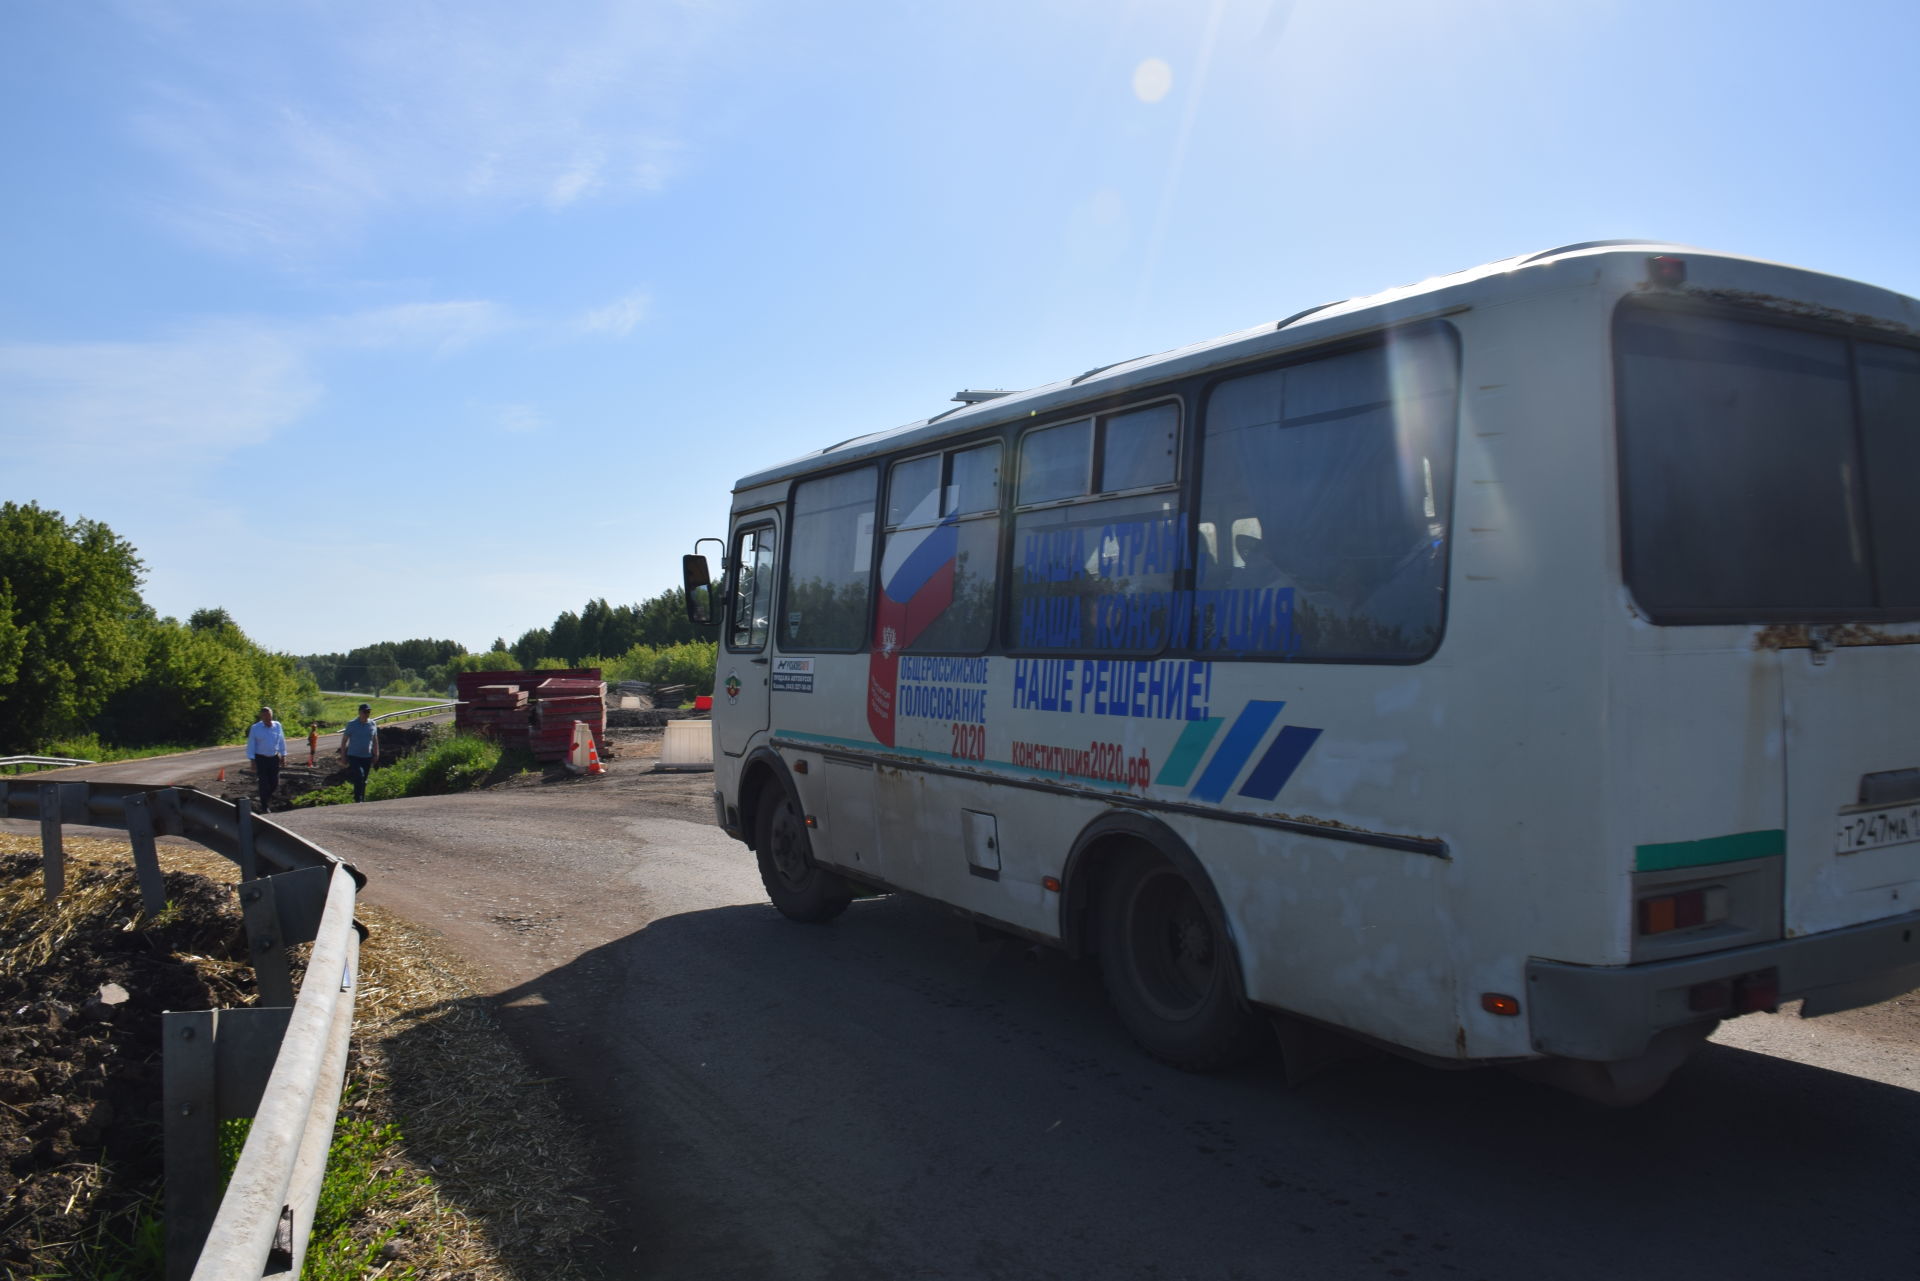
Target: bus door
x=746, y=634
x=1853, y=785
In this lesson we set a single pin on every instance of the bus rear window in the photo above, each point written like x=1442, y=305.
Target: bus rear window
x=1760, y=469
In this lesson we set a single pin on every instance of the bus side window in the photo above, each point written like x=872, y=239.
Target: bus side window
x=1056, y=462
x=1099, y=539
x=1325, y=490
x=942, y=548
x=830, y=562
x=752, y=599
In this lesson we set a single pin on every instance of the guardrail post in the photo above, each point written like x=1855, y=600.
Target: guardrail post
x=282, y=911
x=215, y=1068
x=265, y=943
x=165, y=802
x=243, y=817
x=53, y=853
x=191, y=1134
x=146, y=859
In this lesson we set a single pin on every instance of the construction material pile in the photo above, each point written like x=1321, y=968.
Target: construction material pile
x=534, y=709
x=499, y=711
x=557, y=704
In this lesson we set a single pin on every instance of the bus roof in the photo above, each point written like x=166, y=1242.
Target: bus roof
x=1752, y=280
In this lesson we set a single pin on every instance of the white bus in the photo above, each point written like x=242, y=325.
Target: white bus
x=1518, y=667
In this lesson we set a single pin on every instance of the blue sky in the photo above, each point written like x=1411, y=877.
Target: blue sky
x=367, y=321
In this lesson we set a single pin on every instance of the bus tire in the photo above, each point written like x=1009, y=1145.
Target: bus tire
x=1168, y=965
x=799, y=887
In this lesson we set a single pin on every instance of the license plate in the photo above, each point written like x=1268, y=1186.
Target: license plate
x=1877, y=828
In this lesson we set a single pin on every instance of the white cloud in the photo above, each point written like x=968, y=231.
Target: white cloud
x=206, y=392
x=294, y=126
x=520, y=420
x=441, y=326
x=618, y=317
x=189, y=400
x=579, y=181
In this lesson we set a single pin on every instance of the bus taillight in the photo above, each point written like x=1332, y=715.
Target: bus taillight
x=1745, y=994
x=1684, y=910
x=1667, y=269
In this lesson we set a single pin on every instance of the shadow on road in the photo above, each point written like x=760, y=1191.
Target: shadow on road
x=890, y=1097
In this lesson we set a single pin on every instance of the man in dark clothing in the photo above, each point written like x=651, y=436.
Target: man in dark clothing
x=360, y=745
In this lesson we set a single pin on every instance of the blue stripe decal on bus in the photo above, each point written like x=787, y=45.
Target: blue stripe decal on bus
x=1248, y=729
x=1289, y=748
x=1192, y=745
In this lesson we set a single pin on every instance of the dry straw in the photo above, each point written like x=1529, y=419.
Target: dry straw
x=507, y=1189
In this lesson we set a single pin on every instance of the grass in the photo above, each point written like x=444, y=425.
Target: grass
x=362, y=1178
x=338, y=709
x=448, y=763
x=88, y=747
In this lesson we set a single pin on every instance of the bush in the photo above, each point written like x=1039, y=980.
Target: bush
x=448, y=763
x=688, y=663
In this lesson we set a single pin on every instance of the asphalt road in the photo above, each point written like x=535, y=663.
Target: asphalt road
x=193, y=767
x=891, y=1097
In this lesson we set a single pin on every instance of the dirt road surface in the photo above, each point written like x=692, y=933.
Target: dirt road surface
x=890, y=1097
x=195, y=767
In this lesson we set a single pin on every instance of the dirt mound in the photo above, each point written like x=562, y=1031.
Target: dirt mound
x=297, y=778
x=83, y=982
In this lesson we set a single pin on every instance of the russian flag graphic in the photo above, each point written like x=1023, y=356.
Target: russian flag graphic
x=916, y=587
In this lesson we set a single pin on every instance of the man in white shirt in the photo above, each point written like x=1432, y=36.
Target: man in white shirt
x=267, y=746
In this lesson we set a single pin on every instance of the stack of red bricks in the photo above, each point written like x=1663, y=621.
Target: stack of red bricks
x=558, y=702
x=499, y=711
x=535, y=709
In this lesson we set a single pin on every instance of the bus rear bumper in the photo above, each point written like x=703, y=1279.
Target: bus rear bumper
x=1607, y=1013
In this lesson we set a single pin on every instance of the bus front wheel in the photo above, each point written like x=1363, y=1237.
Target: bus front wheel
x=1169, y=969
x=799, y=887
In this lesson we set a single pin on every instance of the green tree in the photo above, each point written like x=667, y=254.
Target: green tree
x=13, y=637
x=201, y=683
x=324, y=669
x=500, y=660
x=663, y=620
x=533, y=645
x=70, y=619
x=192, y=688
x=369, y=668
x=564, y=638
x=419, y=655
x=278, y=681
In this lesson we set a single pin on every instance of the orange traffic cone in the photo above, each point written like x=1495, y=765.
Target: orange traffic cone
x=223, y=775
x=593, y=759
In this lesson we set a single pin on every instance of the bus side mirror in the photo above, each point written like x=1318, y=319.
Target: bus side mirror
x=699, y=588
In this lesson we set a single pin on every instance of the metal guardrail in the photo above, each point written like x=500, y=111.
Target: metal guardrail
x=406, y=712
x=280, y=1062
x=42, y=762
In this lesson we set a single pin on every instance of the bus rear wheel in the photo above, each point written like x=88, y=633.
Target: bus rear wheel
x=799, y=887
x=1169, y=968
